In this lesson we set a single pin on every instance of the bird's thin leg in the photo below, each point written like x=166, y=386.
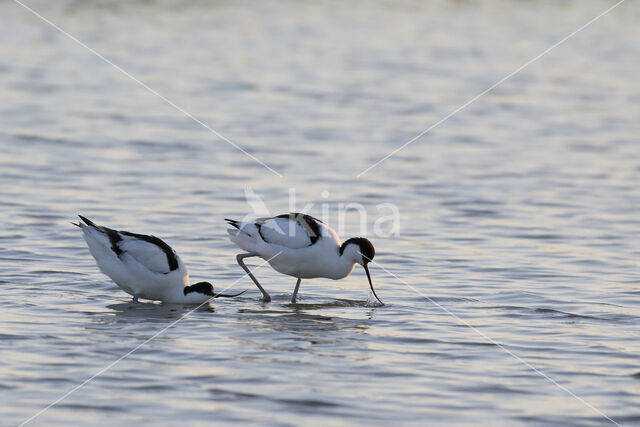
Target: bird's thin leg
x=265, y=295
x=295, y=291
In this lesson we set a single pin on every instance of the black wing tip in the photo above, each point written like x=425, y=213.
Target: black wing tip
x=77, y=224
x=233, y=223
x=86, y=221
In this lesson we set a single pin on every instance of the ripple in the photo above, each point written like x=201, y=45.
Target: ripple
x=525, y=228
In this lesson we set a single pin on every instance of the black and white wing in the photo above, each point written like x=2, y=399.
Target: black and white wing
x=294, y=230
x=151, y=252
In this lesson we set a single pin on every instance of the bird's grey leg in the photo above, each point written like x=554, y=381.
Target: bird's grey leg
x=265, y=295
x=295, y=291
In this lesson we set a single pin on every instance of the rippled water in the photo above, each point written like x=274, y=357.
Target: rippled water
x=519, y=215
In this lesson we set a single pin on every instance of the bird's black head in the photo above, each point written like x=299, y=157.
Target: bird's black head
x=360, y=250
x=204, y=288
x=363, y=247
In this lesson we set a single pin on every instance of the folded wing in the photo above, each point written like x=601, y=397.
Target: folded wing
x=149, y=251
x=292, y=231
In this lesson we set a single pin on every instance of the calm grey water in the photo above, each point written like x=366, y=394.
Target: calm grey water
x=519, y=232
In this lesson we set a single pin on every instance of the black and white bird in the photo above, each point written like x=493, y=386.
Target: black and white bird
x=143, y=266
x=301, y=246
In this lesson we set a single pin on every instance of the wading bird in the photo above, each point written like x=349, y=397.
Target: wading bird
x=143, y=266
x=301, y=246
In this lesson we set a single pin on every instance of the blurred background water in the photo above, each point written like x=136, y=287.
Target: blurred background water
x=519, y=215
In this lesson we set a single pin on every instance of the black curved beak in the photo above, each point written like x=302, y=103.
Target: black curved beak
x=366, y=269
x=227, y=295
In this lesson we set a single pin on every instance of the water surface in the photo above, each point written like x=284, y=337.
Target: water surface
x=519, y=215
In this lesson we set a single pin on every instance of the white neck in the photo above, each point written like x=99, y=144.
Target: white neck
x=177, y=296
x=347, y=261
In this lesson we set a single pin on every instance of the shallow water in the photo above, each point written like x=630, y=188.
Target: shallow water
x=518, y=250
